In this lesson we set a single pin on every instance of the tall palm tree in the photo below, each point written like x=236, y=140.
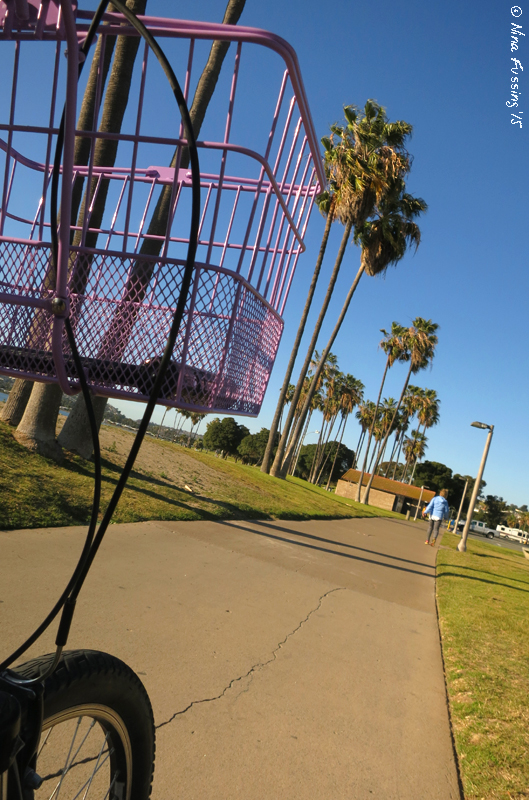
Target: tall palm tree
x=332, y=379
x=351, y=395
x=428, y=414
x=365, y=416
x=394, y=346
x=316, y=405
x=422, y=340
x=387, y=424
x=361, y=159
x=414, y=449
x=410, y=405
x=326, y=204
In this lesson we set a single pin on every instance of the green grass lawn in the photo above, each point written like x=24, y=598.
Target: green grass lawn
x=483, y=599
x=35, y=492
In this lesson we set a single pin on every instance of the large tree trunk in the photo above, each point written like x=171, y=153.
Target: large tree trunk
x=80, y=439
x=76, y=434
x=319, y=368
x=371, y=433
x=36, y=430
x=265, y=466
x=276, y=469
x=17, y=401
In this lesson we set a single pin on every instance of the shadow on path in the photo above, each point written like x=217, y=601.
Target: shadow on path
x=264, y=534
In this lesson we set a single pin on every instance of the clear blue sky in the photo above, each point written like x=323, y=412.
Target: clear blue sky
x=445, y=68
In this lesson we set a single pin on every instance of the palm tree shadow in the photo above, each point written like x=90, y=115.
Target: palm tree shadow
x=282, y=529
x=353, y=557
x=231, y=511
x=481, y=580
x=484, y=572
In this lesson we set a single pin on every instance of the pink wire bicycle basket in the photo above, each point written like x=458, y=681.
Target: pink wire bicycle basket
x=118, y=277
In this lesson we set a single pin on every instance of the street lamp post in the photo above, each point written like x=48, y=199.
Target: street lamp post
x=299, y=450
x=462, y=546
x=461, y=506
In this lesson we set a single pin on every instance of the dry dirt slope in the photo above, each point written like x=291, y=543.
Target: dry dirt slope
x=38, y=493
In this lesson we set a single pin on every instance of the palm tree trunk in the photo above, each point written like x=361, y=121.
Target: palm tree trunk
x=319, y=449
x=161, y=423
x=298, y=451
x=368, y=488
x=393, y=450
x=381, y=459
x=359, y=447
x=277, y=467
x=322, y=459
x=319, y=368
x=320, y=466
x=371, y=431
x=118, y=333
x=265, y=466
x=78, y=435
x=36, y=429
x=373, y=454
x=336, y=453
x=405, y=470
x=401, y=442
x=17, y=401
x=141, y=273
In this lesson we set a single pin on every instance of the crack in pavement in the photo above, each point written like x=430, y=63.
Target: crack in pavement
x=259, y=665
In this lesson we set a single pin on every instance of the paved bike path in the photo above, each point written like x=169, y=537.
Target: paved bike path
x=283, y=659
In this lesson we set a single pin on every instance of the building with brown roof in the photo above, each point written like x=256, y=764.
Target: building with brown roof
x=384, y=493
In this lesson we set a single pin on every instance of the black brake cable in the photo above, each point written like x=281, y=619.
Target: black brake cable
x=70, y=594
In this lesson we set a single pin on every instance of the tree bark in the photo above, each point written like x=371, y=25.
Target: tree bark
x=319, y=368
x=265, y=466
x=115, y=104
x=358, y=494
x=142, y=271
x=17, y=401
x=359, y=446
x=277, y=469
x=336, y=453
x=36, y=430
x=292, y=470
x=120, y=329
x=76, y=434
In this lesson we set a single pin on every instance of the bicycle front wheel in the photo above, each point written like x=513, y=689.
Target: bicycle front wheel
x=98, y=733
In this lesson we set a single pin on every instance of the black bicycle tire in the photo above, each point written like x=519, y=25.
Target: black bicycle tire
x=85, y=677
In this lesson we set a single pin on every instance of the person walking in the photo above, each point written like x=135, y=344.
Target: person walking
x=438, y=510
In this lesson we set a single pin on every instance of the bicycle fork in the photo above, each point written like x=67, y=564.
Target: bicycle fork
x=21, y=715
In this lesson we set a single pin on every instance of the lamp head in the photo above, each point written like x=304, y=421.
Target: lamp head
x=481, y=425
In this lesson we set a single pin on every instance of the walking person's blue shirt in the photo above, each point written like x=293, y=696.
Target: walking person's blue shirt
x=438, y=508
